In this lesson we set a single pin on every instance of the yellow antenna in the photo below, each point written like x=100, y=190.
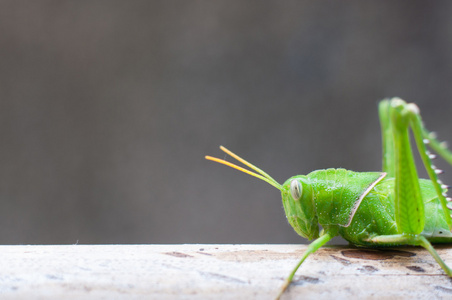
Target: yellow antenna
x=263, y=176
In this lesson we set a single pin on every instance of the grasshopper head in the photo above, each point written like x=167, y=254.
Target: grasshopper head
x=298, y=204
x=296, y=196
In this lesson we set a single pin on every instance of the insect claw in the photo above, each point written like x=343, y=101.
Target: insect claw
x=438, y=171
x=445, y=186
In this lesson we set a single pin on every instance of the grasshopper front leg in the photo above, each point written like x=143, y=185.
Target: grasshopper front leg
x=313, y=247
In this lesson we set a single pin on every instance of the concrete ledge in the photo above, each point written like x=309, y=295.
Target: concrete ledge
x=218, y=271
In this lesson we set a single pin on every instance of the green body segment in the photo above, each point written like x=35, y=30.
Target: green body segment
x=340, y=192
x=329, y=201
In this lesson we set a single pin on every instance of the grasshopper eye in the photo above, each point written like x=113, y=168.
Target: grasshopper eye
x=296, y=189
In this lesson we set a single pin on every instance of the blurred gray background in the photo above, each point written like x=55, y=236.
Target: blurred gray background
x=107, y=109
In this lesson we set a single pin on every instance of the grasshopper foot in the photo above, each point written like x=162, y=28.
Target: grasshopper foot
x=283, y=288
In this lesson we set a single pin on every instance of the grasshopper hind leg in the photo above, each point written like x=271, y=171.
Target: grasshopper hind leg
x=423, y=138
x=396, y=118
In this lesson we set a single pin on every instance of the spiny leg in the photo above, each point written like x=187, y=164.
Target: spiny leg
x=441, y=189
x=313, y=247
x=419, y=133
x=409, y=206
x=414, y=240
x=439, y=147
x=396, y=116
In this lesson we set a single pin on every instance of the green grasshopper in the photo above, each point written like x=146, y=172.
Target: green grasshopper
x=372, y=209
